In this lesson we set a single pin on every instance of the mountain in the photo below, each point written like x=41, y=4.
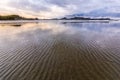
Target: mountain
x=97, y=13
x=111, y=15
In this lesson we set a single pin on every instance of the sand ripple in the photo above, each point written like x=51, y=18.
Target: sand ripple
x=60, y=57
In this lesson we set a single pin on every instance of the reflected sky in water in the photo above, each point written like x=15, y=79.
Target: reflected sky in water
x=72, y=51
x=100, y=33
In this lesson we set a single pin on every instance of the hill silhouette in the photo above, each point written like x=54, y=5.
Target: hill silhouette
x=15, y=17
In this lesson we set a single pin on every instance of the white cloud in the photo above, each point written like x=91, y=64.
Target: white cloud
x=56, y=8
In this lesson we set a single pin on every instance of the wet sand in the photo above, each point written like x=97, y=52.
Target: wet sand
x=57, y=51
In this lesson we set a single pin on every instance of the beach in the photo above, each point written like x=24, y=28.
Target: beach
x=55, y=50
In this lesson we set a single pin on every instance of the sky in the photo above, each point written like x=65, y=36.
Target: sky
x=56, y=8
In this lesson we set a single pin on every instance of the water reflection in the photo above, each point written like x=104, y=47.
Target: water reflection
x=11, y=25
x=57, y=51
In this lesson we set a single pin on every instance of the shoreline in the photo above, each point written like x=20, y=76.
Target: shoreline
x=65, y=21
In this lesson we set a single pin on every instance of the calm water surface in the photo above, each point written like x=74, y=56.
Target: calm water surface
x=56, y=50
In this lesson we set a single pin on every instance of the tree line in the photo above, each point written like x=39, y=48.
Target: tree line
x=15, y=17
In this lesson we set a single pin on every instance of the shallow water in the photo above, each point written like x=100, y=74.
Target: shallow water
x=55, y=50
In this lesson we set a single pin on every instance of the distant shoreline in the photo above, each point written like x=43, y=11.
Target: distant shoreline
x=62, y=21
x=15, y=17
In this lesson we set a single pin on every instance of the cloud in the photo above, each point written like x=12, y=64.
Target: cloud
x=56, y=8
